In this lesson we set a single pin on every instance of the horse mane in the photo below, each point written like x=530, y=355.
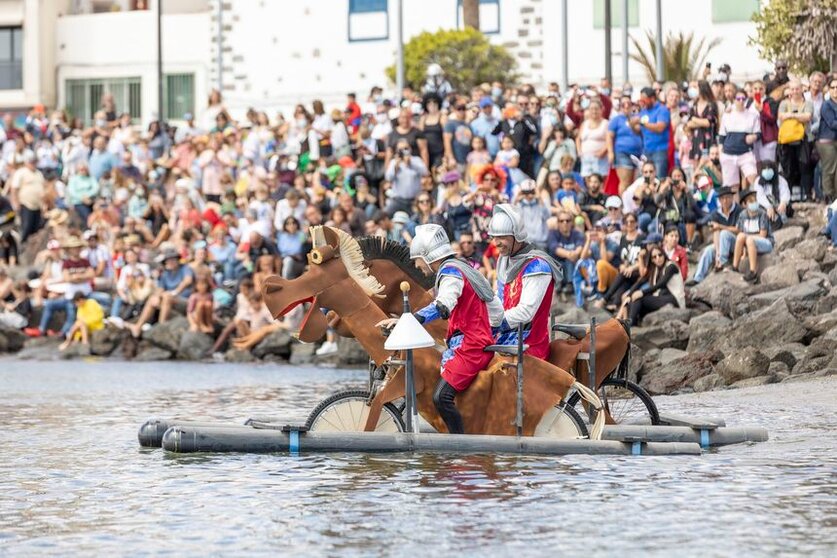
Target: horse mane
x=352, y=257
x=380, y=248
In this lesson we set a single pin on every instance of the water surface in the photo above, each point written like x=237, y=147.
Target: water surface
x=73, y=480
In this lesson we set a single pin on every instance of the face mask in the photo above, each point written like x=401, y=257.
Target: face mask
x=767, y=174
x=301, y=122
x=627, y=91
x=585, y=103
x=100, y=123
x=753, y=206
x=379, y=99
x=496, y=92
x=693, y=93
x=605, y=90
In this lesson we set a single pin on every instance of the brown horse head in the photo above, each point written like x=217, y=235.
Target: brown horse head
x=336, y=278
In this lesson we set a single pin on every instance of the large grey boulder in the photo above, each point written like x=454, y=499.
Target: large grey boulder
x=668, y=355
x=809, y=249
x=678, y=374
x=153, y=353
x=787, y=353
x=724, y=292
x=666, y=314
x=747, y=363
x=41, y=348
x=277, y=343
x=780, y=276
x=828, y=301
x=772, y=325
x=104, y=341
x=706, y=330
x=11, y=340
x=194, y=345
x=351, y=353
x=800, y=298
x=302, y=353
x=167, y=335
x=672, y=333
x=819, y=355
x=708, y=382
x=787, y=237
x=238, y=356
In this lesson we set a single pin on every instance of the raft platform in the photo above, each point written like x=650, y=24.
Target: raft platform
x=267, y=436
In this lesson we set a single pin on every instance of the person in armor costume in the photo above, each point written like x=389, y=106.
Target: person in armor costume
x=526, y=278
x=465, y=298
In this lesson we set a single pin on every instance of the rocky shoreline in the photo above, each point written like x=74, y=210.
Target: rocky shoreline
x=732, y=334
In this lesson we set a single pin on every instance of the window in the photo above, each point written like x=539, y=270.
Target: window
x=84, y=96
x=724, y=11
x=11, y=58
x=368, y=20
x=489, y=16
x=179, y=96
x=615, y=13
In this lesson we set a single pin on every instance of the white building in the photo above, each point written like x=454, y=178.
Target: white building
x=279, y=52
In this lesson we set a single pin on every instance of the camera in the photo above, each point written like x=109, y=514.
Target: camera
x=405, y=152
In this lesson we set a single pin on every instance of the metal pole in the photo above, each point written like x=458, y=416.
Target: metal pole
x=519, y=418
x=220, y=38
x=410, y=407
x=565, y=47
x=591, y=364
x=660, y=67
x=624, y=41
x=608, y=48
x=160, y=62
x=399, y=64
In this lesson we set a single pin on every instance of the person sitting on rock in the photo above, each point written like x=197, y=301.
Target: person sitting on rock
x=724, y=225
x=89, y=318
x=660, y=285
x=754, y=235
x=674, y=251
x=175, y=286
x=200, y=305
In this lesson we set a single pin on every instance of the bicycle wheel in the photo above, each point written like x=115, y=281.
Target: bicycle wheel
x=347, y=411
x=625, y=401
x=562, y=422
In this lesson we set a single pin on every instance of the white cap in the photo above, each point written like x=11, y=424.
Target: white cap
x=431, y=244
x=507, y=221
x=613, y=201
x=401, y=217
x=434, y=70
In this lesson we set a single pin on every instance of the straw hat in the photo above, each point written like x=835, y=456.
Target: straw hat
x=74, y=242
x=57, y=217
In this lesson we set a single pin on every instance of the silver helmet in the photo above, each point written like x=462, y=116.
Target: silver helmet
x=507, y=221
x=430, y=244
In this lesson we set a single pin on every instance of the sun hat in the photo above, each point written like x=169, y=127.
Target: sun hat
x=74, y=242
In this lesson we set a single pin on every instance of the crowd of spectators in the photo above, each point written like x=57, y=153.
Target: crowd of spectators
x=621, y=186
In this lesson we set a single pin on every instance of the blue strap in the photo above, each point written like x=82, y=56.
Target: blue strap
x=704, y=438
x=636, y=448
x=293, y=442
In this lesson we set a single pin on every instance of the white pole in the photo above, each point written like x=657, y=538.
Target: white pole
x=624, y=41
x=220, y=45
x=660, y=68
x=565, y=48
x=399, y=68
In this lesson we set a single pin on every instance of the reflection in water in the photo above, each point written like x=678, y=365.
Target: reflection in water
x=74, y=481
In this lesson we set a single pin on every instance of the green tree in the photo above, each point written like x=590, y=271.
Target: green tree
x=682, y=56
x=466, y=56
x=803, y=32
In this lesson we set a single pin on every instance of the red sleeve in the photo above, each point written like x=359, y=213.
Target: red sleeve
x=683, y=262
x=573, y=115
x=607, y=105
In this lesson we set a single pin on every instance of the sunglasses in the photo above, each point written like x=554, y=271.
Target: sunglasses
x=563, y=220
x=487, y=178
x=658, y=255
x=424, y=201
x=461, y=108
x=742, y=99
x=613, y=209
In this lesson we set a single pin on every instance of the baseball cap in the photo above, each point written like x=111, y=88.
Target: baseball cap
x=486, y=102
x=527, y=186
x=401, y=217
x=613, y=201
x=725, y=191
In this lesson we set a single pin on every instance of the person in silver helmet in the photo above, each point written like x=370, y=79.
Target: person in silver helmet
x=526, y=279
x=465, y=298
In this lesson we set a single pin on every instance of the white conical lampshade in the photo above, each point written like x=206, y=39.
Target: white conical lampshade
x=408, y=333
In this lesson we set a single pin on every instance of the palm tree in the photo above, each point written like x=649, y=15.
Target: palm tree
x=682, y=57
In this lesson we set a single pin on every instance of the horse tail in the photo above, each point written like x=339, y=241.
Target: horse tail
x=590, y=396
x=625, y=363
